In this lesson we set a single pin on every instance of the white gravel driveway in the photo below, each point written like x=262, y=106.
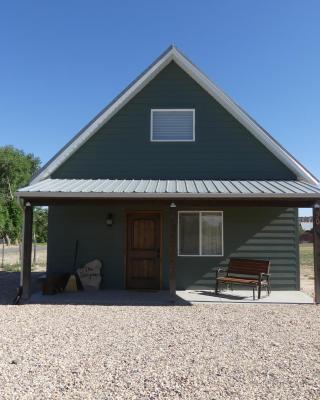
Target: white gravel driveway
x=194, y=352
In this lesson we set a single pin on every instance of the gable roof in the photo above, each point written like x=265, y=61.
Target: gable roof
x=173, y=54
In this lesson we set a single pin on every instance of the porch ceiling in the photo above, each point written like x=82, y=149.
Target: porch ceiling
x=146, y=188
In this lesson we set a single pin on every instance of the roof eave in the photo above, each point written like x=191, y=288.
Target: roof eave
x=220, y=196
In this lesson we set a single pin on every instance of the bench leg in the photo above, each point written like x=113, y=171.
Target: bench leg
x=268, y=289
x=217, y=287
x=259, y=292
x=254, y=293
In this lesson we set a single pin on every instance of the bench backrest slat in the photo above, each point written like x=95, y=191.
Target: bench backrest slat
x=248, y=266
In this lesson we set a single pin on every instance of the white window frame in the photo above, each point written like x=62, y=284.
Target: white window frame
x=200, y=233
x=168, y=110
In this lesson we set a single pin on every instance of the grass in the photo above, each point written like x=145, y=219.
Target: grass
x=11, y=267
x=16, y=267
x=306, y=268
x=306, y=254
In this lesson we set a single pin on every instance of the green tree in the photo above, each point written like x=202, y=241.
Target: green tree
x=16, y=169
x=3, y=218
x=40, y=225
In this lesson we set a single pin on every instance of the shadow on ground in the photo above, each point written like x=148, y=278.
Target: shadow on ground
x=111, y=298
x=10, y=282
x=220, y=295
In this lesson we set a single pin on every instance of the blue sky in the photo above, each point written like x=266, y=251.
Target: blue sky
x=62, y=61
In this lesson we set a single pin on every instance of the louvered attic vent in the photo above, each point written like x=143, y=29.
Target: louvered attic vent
x=172, y=125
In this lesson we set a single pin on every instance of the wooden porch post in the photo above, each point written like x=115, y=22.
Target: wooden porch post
x=316, y=251
x=25, y=277
x=173, y=249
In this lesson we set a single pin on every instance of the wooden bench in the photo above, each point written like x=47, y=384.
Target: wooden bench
x=255, y=273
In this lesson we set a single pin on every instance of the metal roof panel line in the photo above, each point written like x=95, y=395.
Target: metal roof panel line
x=175, y=187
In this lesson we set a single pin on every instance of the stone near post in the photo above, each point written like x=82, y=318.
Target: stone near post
x=90, y=275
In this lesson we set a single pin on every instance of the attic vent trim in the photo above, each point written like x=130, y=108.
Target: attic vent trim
x=172, y=125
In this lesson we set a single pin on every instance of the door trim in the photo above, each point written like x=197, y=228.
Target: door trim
x=132, y=212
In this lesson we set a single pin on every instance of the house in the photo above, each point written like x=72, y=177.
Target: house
x=168, y=182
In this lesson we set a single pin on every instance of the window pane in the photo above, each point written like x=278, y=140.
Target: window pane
x=211, y=233
x=172, y=125
x=189, y=233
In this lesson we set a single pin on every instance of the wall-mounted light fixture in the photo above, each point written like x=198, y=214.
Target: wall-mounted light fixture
x=173, y=205
x=110, y=220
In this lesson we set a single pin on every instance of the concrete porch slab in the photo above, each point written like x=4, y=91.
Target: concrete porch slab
x=108, y=297
x=244, y=296
x=162, y=298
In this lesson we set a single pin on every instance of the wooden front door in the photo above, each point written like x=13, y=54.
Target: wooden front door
x=143, y=251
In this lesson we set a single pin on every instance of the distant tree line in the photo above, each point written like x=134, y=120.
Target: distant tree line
x=16, y=170
x=305, y=219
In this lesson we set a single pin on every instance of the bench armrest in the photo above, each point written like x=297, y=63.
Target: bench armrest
x=262, y=274
x=220, y=271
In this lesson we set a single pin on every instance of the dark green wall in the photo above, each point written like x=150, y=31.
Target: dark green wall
x=255, y=232
x=248, y=232
x=223, y=149
x=87, y=224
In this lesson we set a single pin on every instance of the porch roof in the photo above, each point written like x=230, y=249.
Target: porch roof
x=146, y=188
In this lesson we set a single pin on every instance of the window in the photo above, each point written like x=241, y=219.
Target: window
x=168, y=125
x=200, y=233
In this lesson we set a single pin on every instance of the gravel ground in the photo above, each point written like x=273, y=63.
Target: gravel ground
x=194, y=352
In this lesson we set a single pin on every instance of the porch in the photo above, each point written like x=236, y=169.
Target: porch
x=163, y=298
x=239, y=199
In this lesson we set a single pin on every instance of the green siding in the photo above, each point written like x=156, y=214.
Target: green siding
x=223, y=149
x=266, y=233
x=87, y=224
x=248, y=232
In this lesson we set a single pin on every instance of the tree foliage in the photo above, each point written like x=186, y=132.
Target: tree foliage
x=40, y=226
x=16, y=169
